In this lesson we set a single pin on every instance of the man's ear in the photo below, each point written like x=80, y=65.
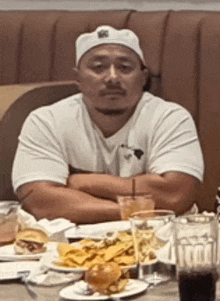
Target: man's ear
x=146, y=75
x=146, y=79
x=76, y=76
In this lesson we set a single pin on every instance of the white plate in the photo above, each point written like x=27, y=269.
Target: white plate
x=58, y=268
x=49, y=259
x=9, y=270
x=50, y=262
x=134, y=287
x=97, y=231
x=7, y=253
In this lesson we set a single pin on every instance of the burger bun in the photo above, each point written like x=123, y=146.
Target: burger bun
x=106, y=278
x=30, y=241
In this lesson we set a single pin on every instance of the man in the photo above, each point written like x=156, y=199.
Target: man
x=110, y=133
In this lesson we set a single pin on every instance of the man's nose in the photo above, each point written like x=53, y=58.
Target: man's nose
x=112, y=74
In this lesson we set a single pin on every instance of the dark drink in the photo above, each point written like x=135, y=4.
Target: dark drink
x=197, y=285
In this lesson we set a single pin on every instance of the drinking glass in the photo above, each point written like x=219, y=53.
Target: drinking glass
x=129, y=204
x=151, y=230
x=196, y=244
x=8, y=221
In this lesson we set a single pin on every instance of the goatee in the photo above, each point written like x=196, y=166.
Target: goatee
x=111, y=112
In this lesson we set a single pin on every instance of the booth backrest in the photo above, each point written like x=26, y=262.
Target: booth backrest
x=11, y=123
x=181, y=48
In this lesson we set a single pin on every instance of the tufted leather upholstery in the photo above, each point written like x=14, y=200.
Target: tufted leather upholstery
x=181, y=48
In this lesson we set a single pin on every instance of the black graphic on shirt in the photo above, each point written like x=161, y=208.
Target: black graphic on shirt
x=137, y=151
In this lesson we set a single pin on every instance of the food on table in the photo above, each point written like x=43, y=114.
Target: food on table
x=8, y=221
x=30, y=241
x=117, y=247
x=146, y=239
x=106, y=278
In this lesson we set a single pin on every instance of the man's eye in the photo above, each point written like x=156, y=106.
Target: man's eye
x=126, y=68
x=98, y=68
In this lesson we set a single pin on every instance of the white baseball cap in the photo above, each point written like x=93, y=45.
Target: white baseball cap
x=107, y=35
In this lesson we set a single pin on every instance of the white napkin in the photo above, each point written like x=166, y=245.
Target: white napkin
x=55, y=229
x=43, y=276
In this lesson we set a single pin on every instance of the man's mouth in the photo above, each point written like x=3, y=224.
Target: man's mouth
x=113, y=92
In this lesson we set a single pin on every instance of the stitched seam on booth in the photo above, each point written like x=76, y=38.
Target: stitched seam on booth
x=53, y=49
x=127, y=19
x=162, y=46
x=20, y=43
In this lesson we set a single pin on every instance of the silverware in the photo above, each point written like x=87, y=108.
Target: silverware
x=24, y=278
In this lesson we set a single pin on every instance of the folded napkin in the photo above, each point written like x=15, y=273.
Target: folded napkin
x=43, y=276
x=55, y=229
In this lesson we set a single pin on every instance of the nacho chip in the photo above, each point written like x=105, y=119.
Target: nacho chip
x=117, y=247
x=124, y=260
x=116, y=250
x=64, y=248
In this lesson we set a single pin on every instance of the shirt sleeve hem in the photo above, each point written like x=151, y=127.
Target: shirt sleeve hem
x=184, y=169
x=29, y=179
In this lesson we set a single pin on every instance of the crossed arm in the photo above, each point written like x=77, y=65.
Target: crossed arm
x=89, y=198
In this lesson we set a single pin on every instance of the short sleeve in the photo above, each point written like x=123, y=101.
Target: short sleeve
x=39, y=155
x=175, y=146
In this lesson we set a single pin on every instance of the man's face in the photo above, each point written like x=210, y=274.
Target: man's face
x=111, y=79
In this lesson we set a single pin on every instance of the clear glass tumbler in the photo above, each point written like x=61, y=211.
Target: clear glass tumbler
x=196, y=246
x=129, y=204
x=151, y=230
x=8, y=221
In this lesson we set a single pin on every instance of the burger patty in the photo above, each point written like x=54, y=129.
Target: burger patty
x=31, y=246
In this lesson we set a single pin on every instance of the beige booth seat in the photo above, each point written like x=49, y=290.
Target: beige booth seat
x=16, y=102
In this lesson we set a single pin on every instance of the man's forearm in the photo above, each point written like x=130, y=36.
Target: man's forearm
x=46, y=200
x=101, y=185
x=174, y=191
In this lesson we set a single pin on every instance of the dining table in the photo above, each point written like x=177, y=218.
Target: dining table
x=16, y=290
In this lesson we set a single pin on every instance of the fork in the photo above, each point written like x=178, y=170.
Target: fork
x=24, y=278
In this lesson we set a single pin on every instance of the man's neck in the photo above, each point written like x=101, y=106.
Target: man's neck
x=110, y=124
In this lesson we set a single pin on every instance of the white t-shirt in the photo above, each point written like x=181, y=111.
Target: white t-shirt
x=160, y=137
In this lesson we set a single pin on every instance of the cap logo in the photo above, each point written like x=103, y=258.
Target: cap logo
x=103, y=33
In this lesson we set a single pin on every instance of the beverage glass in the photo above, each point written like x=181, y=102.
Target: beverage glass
x=8, y=221
x=130, y=204
x=196, y=243
x=151, y=230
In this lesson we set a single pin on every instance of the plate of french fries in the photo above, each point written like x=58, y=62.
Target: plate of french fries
x=117, y=247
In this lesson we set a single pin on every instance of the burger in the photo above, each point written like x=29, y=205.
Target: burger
x=30, y=241
x=106, y=278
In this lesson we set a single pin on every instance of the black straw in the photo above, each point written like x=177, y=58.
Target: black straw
x=133, y=188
